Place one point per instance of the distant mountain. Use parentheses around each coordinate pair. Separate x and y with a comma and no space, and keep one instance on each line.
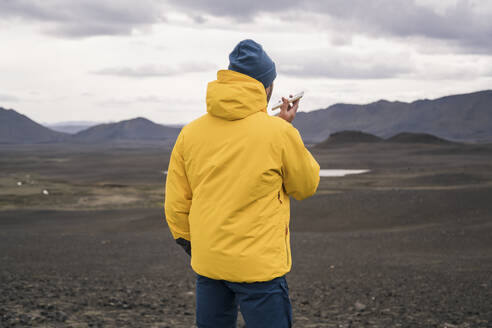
(137,129)
(408,137)
(70,127)
(466,117)
(348,137)
(16,128)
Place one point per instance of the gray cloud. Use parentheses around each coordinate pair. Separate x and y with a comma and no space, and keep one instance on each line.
(336,64)
(342,65)
(463,23)
(466,24)
(199,19)
(243,10)
(149,70)
(148,99)
(334,71)
(83,18)
(125,102)
(8,98)
(115,102)
(449,71)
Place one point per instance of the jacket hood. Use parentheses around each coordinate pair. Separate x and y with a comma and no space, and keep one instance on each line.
(234,96)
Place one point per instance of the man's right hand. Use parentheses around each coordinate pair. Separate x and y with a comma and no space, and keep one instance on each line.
(288,111)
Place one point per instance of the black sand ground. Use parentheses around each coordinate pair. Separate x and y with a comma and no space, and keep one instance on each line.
(406,245)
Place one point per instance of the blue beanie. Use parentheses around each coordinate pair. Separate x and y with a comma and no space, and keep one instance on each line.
(249,58)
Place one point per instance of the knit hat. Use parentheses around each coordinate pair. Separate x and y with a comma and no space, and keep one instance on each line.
(249,58)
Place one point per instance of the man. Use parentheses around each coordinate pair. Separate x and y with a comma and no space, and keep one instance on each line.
(227,201)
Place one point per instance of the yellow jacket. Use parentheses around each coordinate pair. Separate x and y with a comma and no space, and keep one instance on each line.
(228,184)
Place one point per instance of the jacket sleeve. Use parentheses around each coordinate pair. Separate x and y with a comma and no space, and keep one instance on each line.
(300,169)
(178,194)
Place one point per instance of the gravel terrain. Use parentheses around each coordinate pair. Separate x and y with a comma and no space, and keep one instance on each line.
(407,245)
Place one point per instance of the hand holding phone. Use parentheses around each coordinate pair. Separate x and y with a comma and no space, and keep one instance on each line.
(287,111)
(290,99)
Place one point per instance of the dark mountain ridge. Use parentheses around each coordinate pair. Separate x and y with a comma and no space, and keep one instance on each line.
(134,129)
(348,137)
(409,137)
(465,117)
(16,128)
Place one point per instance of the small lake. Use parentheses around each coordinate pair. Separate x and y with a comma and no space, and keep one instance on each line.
(340,173)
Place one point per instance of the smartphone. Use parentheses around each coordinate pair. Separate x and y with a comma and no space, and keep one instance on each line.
(289,99)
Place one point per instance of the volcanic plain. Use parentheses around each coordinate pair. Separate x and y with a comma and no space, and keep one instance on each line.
(84,243)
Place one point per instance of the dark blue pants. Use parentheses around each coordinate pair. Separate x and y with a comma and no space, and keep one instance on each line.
(262,304)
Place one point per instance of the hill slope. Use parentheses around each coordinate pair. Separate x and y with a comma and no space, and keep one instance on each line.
(16,128)
(465,117)
(134,129)
(408,137)
(345,137)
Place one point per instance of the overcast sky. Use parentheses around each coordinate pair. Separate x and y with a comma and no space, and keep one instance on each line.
(108,60)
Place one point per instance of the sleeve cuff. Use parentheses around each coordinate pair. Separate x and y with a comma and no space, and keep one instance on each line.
(182,235)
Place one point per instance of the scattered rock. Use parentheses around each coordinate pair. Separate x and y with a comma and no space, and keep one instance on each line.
(449,325)
(359,306)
